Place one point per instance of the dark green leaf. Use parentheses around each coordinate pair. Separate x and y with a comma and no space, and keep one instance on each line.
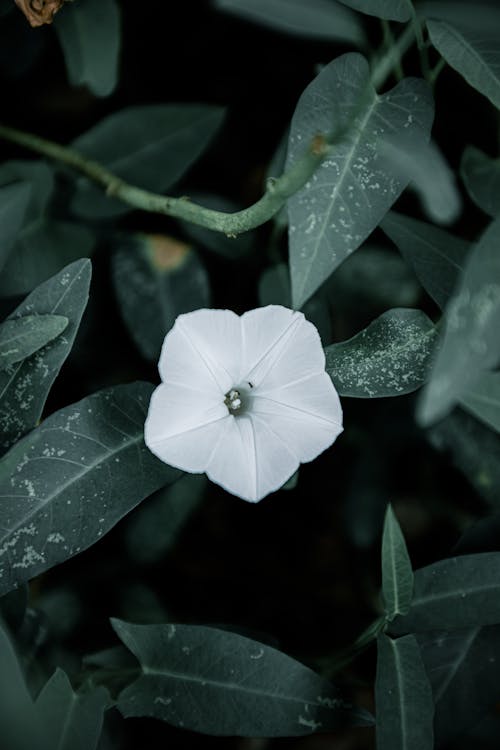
(469,343)
(24,386)
(481,176)
(397,574)
(391,10)
(191,674)
(403,696)
(459,592)
(71,480)
(89,32)
(73,721)
(13,608)
(151,146)
(357,183)
(475,55)
(478,15)
(22,337)
(389,358)
(157,278)
(14,200)
(436,256)
(483,399)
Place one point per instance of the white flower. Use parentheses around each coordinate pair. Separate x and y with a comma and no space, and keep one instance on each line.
(244,399)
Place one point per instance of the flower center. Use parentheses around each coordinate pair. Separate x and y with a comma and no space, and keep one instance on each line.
(233,400)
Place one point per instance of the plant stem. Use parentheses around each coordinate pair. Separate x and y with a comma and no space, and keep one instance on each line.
(385,65)
(390,45)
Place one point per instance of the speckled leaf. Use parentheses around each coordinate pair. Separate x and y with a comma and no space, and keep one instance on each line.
(71,480)
(397,574)
(357,183)
(318,19)
(73,721)
(469,343)
(475,55)
(483,399)
(24,386)
(90,34)
(22,337)
(437,257)
(191,674)
(14,200)
(150,146)
(157,278)
(390,357)
(403,696)
(459,592)
(481,176)
(391,10)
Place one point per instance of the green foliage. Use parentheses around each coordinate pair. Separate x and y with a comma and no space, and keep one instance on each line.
(390,357)
(481,176)
(391,10)
(397,574)
(191,673)
(358,182)
(403,696)
(13,203)
(70,480)
(22,337)
(89,33)
(483,399)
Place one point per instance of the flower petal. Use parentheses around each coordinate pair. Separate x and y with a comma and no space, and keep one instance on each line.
(279,346)
(203,350)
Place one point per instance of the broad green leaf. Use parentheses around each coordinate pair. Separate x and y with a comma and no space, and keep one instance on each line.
(42,250)
(156,278)
(68,482)
(459,592)
(25,385)
(150,146)
(469,343)
(483,399)
(21,727)
(475,55)
(318,19)
(403,696)
(357,183)
(481,176)
(14,200)
(478,15)
(462,666)
(191,674)
(391,10)
(397,574)
(22,337)
(390,357)
(437,257)
(73,721)
(90,34)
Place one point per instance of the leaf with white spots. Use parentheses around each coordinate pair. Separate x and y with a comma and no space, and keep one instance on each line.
(359,180)
(469,343)
(481,176)
(24,386)
(21,337)
(390,357)
(63,486)
(191,674)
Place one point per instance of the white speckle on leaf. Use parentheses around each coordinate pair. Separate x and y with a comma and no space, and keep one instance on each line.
(310,723)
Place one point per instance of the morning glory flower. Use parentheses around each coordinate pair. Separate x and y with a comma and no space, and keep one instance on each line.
(244,399)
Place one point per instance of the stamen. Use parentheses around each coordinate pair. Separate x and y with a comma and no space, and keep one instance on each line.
(233,400)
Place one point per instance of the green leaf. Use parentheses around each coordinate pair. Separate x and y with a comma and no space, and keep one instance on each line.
(318,19)
(157,278)
(481,176)
(390,10)
(469,343)
(476,15)
(89,33)
(22,337)
(459,592)
(14,200)
(25,385)
(437,257)
(73,720)
(191,674)
(357,183)
(475,55)
(390,357)
(462,666)
(71,480)
(483,399)
(403,696)
(397,574)
(42,250)
(150,146)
